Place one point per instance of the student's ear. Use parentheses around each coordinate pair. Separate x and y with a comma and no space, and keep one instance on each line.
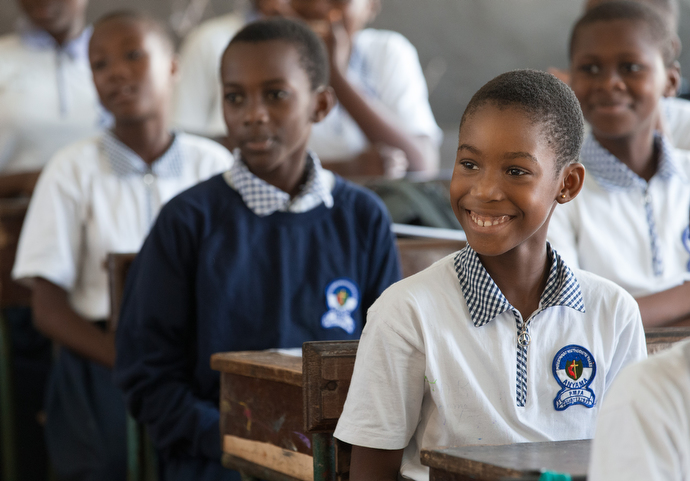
(374,9)
(672,79)
(572,180)
(325,100)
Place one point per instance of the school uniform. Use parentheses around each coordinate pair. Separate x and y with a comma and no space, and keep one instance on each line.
(384,66)
(625,229)
(643,430)
(94,197)
(47,97)
(238,265)
(450,369)
(198,99)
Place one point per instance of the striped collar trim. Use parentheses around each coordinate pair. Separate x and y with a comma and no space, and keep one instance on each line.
(486,301)
(612,174)
(124,161)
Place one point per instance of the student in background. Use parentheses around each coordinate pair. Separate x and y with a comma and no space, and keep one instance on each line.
(500,342)
(630,223)
(275,252)
(673,116)
(382,124)
(198,99)
(97,196)
(47,98)
(643,431)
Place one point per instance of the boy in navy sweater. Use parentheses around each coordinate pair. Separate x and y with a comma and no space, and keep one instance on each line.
(274,252)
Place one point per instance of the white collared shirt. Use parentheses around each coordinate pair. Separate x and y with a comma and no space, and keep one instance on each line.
(643,432)
(444,343)
(97,196)
(385,67)
(633,232)
(264,199)
(47,98)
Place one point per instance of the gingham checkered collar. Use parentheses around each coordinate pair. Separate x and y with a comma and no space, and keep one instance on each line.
(124,161)
(612,174)
(486,301)
(264,199)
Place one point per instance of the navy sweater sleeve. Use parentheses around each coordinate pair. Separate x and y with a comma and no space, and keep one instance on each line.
(155,337)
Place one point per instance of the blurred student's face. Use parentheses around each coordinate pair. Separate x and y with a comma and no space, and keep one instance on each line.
(133,69)
(269,106)
(355,14)
(55,16)
(504,185)
(618,74)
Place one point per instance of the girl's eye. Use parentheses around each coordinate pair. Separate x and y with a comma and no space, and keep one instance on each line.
(134,54)
(277,95)
(591,69)
(98,65)
(516,172)
(467,164)
(234,98)
(632,67)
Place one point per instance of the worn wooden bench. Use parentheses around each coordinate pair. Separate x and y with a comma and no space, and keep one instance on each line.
(417,253)
(141,456)
(661,338)
(12,213)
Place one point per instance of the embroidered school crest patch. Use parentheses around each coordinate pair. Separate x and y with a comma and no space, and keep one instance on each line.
(574,369)
(342,298)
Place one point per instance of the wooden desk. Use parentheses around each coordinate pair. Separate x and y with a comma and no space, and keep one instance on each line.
(491,463)
(261,420)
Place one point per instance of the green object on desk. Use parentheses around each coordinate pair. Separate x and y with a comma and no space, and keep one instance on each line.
(554,476)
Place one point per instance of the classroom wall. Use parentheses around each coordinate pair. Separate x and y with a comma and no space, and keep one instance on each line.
(461,43)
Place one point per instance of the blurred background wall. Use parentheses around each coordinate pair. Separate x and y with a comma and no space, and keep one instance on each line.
(461,43)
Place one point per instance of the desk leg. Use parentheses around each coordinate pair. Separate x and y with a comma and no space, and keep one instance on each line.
(324,456)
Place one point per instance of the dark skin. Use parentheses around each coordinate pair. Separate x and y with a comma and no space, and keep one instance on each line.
(337,22)
(619,75)
(133,68)
(504,189)
(269,107)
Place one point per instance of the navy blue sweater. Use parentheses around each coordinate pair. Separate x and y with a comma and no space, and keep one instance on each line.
(212,276)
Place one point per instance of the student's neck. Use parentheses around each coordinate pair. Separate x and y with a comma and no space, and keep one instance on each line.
(521,276)
(149,139)
(637,152)
(290,177)
(74,30)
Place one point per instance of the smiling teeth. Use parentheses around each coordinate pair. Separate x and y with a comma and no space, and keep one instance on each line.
(486,221)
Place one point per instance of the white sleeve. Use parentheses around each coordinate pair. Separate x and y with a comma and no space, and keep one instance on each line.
(401,86)
(51,237)
(639,434)
(197,99)
(384,402)
(677,121)
(562,233)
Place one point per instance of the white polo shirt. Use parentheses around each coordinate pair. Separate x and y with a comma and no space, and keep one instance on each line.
(47,98)
(385,67)
(198,100)
(97,196)
(622,228)
(643,432)
(439,362)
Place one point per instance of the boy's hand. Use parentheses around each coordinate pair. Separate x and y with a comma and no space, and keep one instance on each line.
(337,40)
(381,160)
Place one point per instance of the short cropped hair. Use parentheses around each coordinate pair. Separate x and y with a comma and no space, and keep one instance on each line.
(545,100)
(152,24)
(311,49)
(669,9)
(657,28)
